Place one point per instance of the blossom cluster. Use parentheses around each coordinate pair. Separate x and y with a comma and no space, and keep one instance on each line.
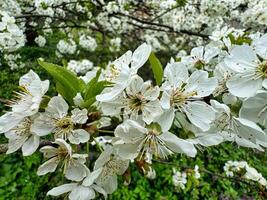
(166,25)
(80,67)
(215,94)
(179,179)
(244,170)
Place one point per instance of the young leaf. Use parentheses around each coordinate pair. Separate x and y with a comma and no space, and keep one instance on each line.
(67,83)
(156,68)
(92,89)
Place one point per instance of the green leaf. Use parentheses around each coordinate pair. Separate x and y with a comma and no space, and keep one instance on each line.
(156,68)
(92,89)
(67,83)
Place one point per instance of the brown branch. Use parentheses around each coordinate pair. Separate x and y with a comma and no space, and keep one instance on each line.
(163,25)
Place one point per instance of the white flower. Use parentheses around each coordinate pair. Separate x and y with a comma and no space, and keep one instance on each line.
(56,120)
(80,67)
(66,46)
(260,46)
(120,73)
(110,166)
(183,93)
(196,172)
(179,179)
(40,40)
(80,191)
(88,43)
(115,44)
(250,173)
(22,136)
(139,98)
(135,140)
(227,127)
(73,164)
(221,33)
(32,90)
(255,108)
(26,103)
(201,56)
(251,72)
(223,74)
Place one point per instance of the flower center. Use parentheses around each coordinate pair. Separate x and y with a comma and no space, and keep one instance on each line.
(262,69)
(137,102)
(62,153)
(65,124)
(222,122)
(199,64)
(178,98)
(112,73)
(24,128)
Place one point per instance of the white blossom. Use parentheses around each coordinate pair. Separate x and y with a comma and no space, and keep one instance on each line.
(120,73)
(183,93)
(139,98)
(56,120)
(73,164)
(134,140)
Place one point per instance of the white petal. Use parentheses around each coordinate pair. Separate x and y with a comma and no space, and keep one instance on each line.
(255,109)
(27,79)
(140,57)
(130,131)
(62,189)
(89,180)
(128,151)
(48,166)
(241,59)
(15,143)
(175,73)
(178,145)
(110,184)
(79,116)
(75,171)
(79,136)
(9,120)
(244,86)
(165,100)
(228,98)
(63,144)
(200,83)
(151,93)
(200,114)
(260,46)
(208,139)
(57,107)
(165,120)
(249,130)
(48,151)
(43,125)
(264,83)
(111,93)
(100,190)
(210,52)
(135,85)
(82,193)
(151,110)
(31,145)
(103,158)
(220,107)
